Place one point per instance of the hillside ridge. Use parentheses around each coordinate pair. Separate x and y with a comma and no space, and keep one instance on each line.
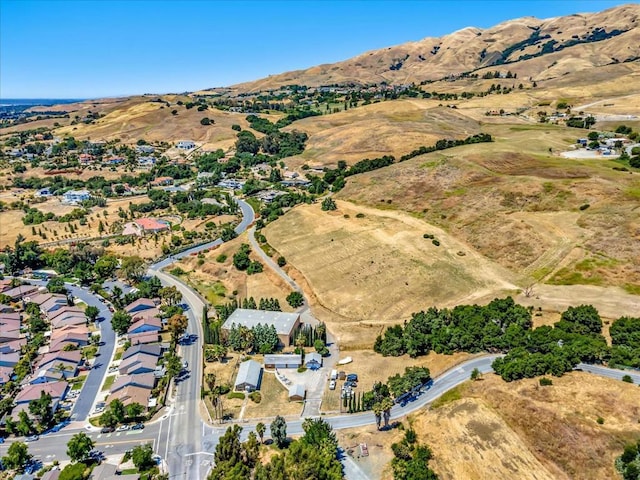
(586,40)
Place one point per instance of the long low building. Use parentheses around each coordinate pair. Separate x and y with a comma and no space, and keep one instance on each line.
(284,323)
(282,361)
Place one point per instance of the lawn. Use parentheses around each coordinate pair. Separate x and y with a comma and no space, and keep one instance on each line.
(108,382)
(78,382)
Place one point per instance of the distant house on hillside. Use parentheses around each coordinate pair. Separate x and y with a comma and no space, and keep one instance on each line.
(143,226)
(73,197)
(185,145)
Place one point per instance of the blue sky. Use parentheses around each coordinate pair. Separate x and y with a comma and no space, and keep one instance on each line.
(85,49)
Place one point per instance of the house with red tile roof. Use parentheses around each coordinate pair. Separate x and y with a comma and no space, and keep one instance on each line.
(144,226)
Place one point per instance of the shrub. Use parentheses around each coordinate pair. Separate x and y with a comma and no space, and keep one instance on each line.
(302,369)
(282,261)
(177,271)
(255,397)
(221,258)
(600,420)
(427,235)
(585,206)
(238,395)
(360,215)
(435,242)
(545,382)
(627,378)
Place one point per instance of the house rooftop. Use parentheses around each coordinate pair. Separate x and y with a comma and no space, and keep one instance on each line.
(282,321)
(248,372)
(152,350)
(32,392)
(141,302)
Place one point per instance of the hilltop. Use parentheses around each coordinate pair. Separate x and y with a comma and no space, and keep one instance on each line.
(529,47)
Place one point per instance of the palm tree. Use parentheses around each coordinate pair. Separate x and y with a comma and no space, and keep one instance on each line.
(377,411)
(386,405)
(260,429)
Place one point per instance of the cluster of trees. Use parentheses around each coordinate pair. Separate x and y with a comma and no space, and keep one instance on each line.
(275,209)
(242,261)
(469,328)
(336,177)
(314,455)
(502,326)
(411,459)
(274,145)
(628,464)
(444,144)
(261,338)
(118,413)
(41,411)
(33,216)
(625,341)
(413,378)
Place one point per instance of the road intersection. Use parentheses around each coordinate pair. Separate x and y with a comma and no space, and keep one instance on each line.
(180,436)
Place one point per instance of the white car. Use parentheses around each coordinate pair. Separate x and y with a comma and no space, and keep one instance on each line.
(332,385)
(122,428)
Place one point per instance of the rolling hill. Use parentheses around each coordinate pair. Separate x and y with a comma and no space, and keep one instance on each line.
(529,47)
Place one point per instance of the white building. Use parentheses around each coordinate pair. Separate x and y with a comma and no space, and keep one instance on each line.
(185,145)
(73,197)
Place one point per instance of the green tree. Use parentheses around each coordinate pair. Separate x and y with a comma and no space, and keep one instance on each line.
(79,446)
(475,374)
(73,471)
(92,313)
(121,321)
(172,364)
(118,409)
(17,456)
(260,430)
(142,457)
(328,204)
(133,268)
(295,299)
(105,266)
(56,285)
(279,431)
(134,410)
(42,409)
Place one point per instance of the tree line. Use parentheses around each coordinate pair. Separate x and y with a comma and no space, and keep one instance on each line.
(503,326)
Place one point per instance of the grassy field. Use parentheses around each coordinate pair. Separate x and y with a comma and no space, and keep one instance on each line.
(494,429)
(378,269)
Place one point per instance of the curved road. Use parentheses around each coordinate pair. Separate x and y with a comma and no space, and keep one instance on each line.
(186,442)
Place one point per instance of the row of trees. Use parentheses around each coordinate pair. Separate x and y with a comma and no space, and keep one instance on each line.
(314,455)
(504,326)
(628,464)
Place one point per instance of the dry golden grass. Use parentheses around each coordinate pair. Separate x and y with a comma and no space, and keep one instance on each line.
(505,430)
(217,281)
(372,367)
(378,269)
(275,401)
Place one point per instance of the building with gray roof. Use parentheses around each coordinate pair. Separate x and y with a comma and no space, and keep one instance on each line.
(284,323)
(249,375)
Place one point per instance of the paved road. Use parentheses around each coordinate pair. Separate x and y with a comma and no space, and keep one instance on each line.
(92,384)
(96,375)
(610,372)
(269,261)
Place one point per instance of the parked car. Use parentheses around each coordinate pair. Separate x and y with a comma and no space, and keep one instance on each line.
(352,377)
(185,364)
(123,428)
(31,438)
(332,385)
(107,430)
(138,426)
